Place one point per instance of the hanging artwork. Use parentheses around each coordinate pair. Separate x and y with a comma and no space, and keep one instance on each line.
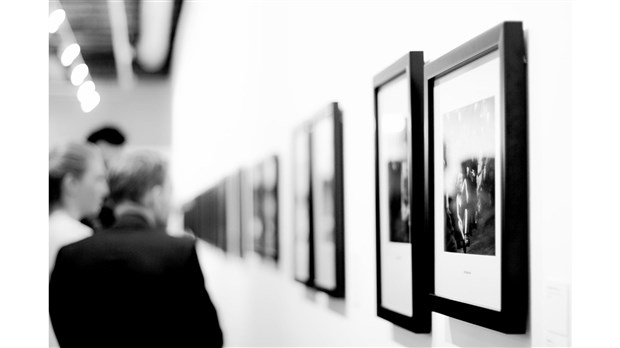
(476,109)
(402,251)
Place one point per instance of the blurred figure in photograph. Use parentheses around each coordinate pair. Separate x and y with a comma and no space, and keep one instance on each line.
(77,186)
(450,242)
(133,285)
(111,142)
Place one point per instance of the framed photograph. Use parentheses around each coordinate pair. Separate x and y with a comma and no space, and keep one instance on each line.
(327,202)
(477,171)
(302,207)
(265,208)
(403,275)
(221,206)
(207,216)
(247,210)
(232,200)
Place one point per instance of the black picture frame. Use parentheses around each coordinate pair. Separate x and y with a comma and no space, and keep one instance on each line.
(233,219)
(247,211)
(506,41)
(220,203)
(303,245)
(411,68)
(265,229)
(330,116)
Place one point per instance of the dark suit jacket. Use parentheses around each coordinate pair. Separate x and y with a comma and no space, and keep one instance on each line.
(131,286)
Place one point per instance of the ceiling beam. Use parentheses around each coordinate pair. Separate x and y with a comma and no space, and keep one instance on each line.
(123,52)
(155,27)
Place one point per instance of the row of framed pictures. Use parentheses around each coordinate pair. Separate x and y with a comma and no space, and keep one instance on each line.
(451,185)
(205,216)
(240,212)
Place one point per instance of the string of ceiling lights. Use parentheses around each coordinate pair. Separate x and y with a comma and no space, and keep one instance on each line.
(70,57)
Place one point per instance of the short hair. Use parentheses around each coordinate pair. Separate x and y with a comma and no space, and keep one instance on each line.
(110,135)
(71,158)
(130,178)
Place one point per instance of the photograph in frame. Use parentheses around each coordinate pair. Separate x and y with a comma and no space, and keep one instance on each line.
(469,154)
(258,206)
(270,207)
(395,241)
(233,214)
(402,244)
(247,210)
(477,127)
(302,206)
(323,201)
(467,267)
(327,249)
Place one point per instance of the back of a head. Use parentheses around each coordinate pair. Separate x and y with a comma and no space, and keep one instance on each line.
(134,174)
(110,135)
(71,158)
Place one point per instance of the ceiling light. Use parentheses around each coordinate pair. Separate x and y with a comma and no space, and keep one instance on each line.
(90,102)
(78,74)
(69,54)
(85,89)
(56,19)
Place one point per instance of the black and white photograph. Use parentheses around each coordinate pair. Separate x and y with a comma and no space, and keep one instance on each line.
(265,208)
(301,202)
(393,196)
(270,207)
(477,111)
(233,217)
(466,132)
(327,205)
(323,203)
(258,209)
(469,178)
(398,182)
(306,173)
(401,236)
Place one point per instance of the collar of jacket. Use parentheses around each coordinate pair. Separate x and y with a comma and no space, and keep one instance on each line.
(134,218)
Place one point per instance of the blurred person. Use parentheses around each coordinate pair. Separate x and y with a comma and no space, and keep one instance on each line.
(77,187)
(133,285)
(111,141)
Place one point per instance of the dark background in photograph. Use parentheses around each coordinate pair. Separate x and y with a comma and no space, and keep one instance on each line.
(398,202)
(469,147)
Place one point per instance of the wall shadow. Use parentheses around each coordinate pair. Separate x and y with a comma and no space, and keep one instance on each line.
(464,334)
(337,305)
(411,339)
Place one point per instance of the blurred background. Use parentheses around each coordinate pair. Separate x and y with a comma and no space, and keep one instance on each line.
(218,86)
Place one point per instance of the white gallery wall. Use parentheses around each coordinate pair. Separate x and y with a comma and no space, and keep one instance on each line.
(246,73)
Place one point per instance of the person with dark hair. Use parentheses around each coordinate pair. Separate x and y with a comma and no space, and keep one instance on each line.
(133,285)
(77,187)
(110,141)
